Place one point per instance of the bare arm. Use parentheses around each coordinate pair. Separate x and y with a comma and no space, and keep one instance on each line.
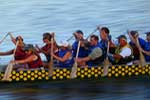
(41,50)
(6,53)
(12,38)
(29,59)
(64,58)
(133,38)
(145,52)
(85,59)
(117,56)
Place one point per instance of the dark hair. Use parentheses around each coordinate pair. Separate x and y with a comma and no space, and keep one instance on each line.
(148,33)
(133,33)
(28,47)
(105,29)
(122,36)
(17,38)
(95,37)
(79,31)
(47,36)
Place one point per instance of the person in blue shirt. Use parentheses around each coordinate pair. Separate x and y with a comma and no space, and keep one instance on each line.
(123,52)
(105,37)
(146,49)
(64,55)
(133,35)
(95,56)
(83,52)
(144,44)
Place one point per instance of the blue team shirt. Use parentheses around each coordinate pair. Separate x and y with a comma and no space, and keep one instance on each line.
(82,51)
(146,46)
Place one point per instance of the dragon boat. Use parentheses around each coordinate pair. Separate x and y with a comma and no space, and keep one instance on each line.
(59,74)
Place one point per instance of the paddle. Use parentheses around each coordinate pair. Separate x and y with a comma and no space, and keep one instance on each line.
(106,62)
(50,69)
(142,58)
(75,65)
(9,67)
(86,38)
(136,41)
(70,38)
(4,38)
(91,33)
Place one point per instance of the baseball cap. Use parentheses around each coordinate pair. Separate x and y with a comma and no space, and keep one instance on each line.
(28,47)
(122,36)
(63,43)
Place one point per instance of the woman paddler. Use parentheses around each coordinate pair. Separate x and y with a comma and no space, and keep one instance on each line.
(19,53)
(33,60)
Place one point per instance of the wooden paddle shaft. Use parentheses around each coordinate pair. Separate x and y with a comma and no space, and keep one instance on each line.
(52,47)
(91,33)
(78,50)
(4,38)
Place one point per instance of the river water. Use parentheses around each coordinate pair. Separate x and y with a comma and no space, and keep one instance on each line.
(31,18)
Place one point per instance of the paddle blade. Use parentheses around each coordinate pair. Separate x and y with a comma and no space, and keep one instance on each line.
(74,71)
(142,59)
(106,67)
(8,72)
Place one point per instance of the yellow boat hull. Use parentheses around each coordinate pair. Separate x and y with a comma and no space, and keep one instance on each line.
(93,72)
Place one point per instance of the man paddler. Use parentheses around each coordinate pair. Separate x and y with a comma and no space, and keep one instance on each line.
(123,53)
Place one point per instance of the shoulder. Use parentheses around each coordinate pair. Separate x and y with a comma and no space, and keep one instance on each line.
(45,47)
(126,49)
(97,50)
(75,44)
(141,41)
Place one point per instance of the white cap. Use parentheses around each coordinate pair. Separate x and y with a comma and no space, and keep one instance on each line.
(63,43)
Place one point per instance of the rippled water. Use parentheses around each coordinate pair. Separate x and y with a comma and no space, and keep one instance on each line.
(31,18)
(111,89)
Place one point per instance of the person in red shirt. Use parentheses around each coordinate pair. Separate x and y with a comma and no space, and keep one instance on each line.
(33,60)
(47,47)
(19,52)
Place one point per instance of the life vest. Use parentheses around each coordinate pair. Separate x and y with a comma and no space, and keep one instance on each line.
(126,59)
(35,64)
(67,63)
(19,53)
